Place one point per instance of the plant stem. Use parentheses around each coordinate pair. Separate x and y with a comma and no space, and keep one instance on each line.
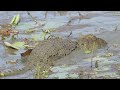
(92,53)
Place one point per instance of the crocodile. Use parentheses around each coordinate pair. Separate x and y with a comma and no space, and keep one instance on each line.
(87,42)
(45,53)
(48,51)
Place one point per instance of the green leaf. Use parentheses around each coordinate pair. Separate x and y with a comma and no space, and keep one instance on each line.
(16,45)
(19,44)
(12,21)
(10,45)
(17,19)
(87,51)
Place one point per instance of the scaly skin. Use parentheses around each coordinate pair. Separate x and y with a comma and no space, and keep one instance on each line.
(48,51)
(89,40)
(45,53)
(14,72)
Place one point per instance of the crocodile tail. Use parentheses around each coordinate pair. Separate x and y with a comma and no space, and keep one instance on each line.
(14,72)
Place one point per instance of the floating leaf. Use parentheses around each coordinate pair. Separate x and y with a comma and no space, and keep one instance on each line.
(26,53)
(10,45)
(7,44)
(16,45)
(15,20)
(87,51)
(12,21)
(19,44)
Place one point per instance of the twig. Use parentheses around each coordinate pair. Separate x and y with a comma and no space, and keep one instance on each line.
(79,16)
(70,34)
(69,22)
(32,17)
(91,61)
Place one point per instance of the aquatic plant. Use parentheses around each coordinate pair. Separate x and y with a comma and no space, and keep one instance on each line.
(41,72)
(93,49)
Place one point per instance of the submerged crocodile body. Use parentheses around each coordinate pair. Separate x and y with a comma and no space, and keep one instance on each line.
(45,53)
(48,51)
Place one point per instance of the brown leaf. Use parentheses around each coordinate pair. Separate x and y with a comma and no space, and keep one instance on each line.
(8,32)
(26,53)
(5,32)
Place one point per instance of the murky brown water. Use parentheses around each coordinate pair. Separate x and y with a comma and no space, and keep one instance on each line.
(99,23)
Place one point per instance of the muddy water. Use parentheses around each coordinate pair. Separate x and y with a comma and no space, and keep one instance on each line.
(105,25)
